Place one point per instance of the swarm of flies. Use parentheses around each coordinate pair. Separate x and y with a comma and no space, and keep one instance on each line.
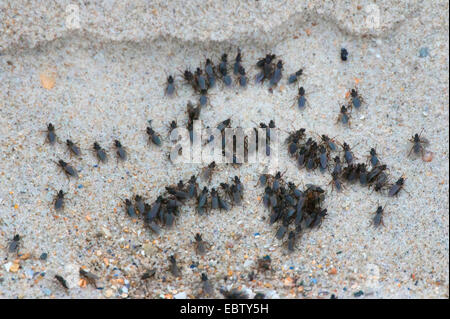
(329,155)
(292,210)
(205,76)
(220,198)
(167,206)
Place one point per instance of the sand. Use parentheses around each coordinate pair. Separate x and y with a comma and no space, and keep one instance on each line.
(103,78)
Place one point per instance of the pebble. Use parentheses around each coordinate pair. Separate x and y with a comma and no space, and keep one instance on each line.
(108,293)
(358,293)
(29,273)
(106,232)
(43,256)
(8,266)
(149,249)
(72,275)
(46,291)
(180,295)
(272,294)
(428,156)
(423,52)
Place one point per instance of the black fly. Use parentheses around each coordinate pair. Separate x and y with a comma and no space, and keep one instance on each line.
(13,246)
(202,199)
(140,205)
(277,73)
(223,69)
(348,155)
(208,171)
(59,200)
(374,161)
(242,77)
(129,208)
(209,70)
(323,158)
(174,269)
(237,63)
(153,136)
(73,148)
(51,135)
(378,218)
(301,100)
(67,169)
(62,281)
(395,189)
(200,244)
(344,54)
(170,89)
(419,144)
(207,287)
(355,98)
(100,152)
(294,77)
(344,116)
(120,151)
(214,199)
(266,66)
(336,182)
(192,187)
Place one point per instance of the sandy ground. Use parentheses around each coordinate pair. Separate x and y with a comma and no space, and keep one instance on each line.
(106,79)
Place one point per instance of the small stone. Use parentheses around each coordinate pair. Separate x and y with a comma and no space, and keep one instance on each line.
(48,79)
(7,266)
(14,268)
(333,271)
(180,295)
(423,52)
(29,273)
(272,294)
(289,282)
(359,293)
(108,293)
(149,249)
(72,275)
(106,232)
(43,256)
(25,256)
(248,263)
(428,156)
(47,291)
